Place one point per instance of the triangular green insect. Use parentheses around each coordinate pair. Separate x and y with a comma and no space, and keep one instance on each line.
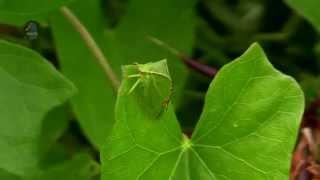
(151,85)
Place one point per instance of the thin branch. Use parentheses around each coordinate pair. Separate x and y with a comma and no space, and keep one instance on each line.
(164,45)
(307,133)
(92,45)
(202,68)
(193,64)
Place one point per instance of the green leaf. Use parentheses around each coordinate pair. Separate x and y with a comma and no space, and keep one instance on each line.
(309,9)
(54,125)
(138,138)
(80,167)
(8,176)
(250,120)
(247,129)
(18,12)
(94,104)
(29,88)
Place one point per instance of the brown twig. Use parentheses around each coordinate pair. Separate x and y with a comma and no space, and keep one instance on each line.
(193,64)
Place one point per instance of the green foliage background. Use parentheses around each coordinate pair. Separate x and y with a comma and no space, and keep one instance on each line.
(65,142)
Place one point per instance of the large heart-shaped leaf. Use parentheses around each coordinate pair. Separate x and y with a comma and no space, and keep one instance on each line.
(18,12)
(309,9)
(247,129)
(29,88)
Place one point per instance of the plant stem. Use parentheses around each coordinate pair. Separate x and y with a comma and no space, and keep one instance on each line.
(92,45)
(164,45)
(202,68)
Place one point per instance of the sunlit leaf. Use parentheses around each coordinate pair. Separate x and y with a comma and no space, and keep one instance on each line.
(247,129)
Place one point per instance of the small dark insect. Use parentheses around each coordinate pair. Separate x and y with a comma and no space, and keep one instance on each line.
(31,30)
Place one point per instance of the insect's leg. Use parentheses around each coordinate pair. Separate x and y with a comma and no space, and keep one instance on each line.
(134,86)
(159,114)
(134,75)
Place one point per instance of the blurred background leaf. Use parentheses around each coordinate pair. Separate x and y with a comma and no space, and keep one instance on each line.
(30,87)
(17,12)
(309,9)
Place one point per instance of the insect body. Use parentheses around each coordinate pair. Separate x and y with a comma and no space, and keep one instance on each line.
(153,88)
(31,30)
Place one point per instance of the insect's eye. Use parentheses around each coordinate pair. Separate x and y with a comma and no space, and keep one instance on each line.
(31,30)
